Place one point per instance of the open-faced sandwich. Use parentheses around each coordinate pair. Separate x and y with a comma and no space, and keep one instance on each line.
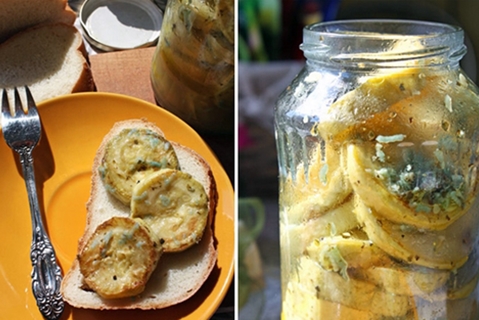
(148,241)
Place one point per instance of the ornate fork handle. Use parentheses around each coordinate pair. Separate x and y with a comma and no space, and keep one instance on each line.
(46,274)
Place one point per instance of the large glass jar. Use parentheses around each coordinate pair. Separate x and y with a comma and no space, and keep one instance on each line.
(378,153)
(193,66)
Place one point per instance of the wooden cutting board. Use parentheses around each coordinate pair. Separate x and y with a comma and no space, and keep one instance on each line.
(126,72)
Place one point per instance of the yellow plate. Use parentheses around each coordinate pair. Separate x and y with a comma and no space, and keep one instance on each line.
(74,126)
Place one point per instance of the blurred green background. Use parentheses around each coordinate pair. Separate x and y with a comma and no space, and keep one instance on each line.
(271,30)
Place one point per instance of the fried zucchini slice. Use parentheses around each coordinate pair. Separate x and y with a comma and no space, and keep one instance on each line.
(461,306)
(175,205)
(338,254)
(304,305)
(335,222)
(318,187)
(432,249)
(463,276)
(312,283)
(415,102)
(130,156)
(439,201)
(375,96)
(364,260)
(403,280)
(119,257)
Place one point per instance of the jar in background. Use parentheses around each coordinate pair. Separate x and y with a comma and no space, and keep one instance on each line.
(378,151)
(193,66)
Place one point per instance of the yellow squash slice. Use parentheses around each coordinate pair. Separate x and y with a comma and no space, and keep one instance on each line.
(375,96)
(313,283)
(335,222)
(424,248)
(130,156)
(364,260)
(119,257)
(318,188)
(368,184)
(175,205)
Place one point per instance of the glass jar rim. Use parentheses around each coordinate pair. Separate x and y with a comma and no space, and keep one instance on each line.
(371,40)
(370,28)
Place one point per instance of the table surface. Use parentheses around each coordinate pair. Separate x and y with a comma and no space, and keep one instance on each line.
(128,72)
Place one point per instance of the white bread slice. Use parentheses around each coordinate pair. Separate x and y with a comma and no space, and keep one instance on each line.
(50,59)
(178,276)
(18,15)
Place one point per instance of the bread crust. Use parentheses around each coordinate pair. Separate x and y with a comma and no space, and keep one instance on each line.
(85,81)
(178,276)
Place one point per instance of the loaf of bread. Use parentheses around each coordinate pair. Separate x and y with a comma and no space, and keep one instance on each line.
(18,15)
(178,275)
(49,58)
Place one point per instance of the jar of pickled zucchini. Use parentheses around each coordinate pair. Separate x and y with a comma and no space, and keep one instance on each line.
(192,71)
(378,151)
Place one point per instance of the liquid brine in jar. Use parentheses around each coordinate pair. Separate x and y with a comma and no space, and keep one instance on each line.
(378,152)
(192,71)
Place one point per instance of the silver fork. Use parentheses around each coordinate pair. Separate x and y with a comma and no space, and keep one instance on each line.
(22,132)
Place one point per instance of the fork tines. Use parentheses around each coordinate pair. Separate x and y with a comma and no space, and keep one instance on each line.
(18,106)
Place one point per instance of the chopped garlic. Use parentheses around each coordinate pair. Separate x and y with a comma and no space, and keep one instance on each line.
(381,156)
(462,80)
(448,102)
(313,77)
(389,139)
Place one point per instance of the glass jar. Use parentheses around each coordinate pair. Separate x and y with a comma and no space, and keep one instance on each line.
(193,66)
(378,151)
